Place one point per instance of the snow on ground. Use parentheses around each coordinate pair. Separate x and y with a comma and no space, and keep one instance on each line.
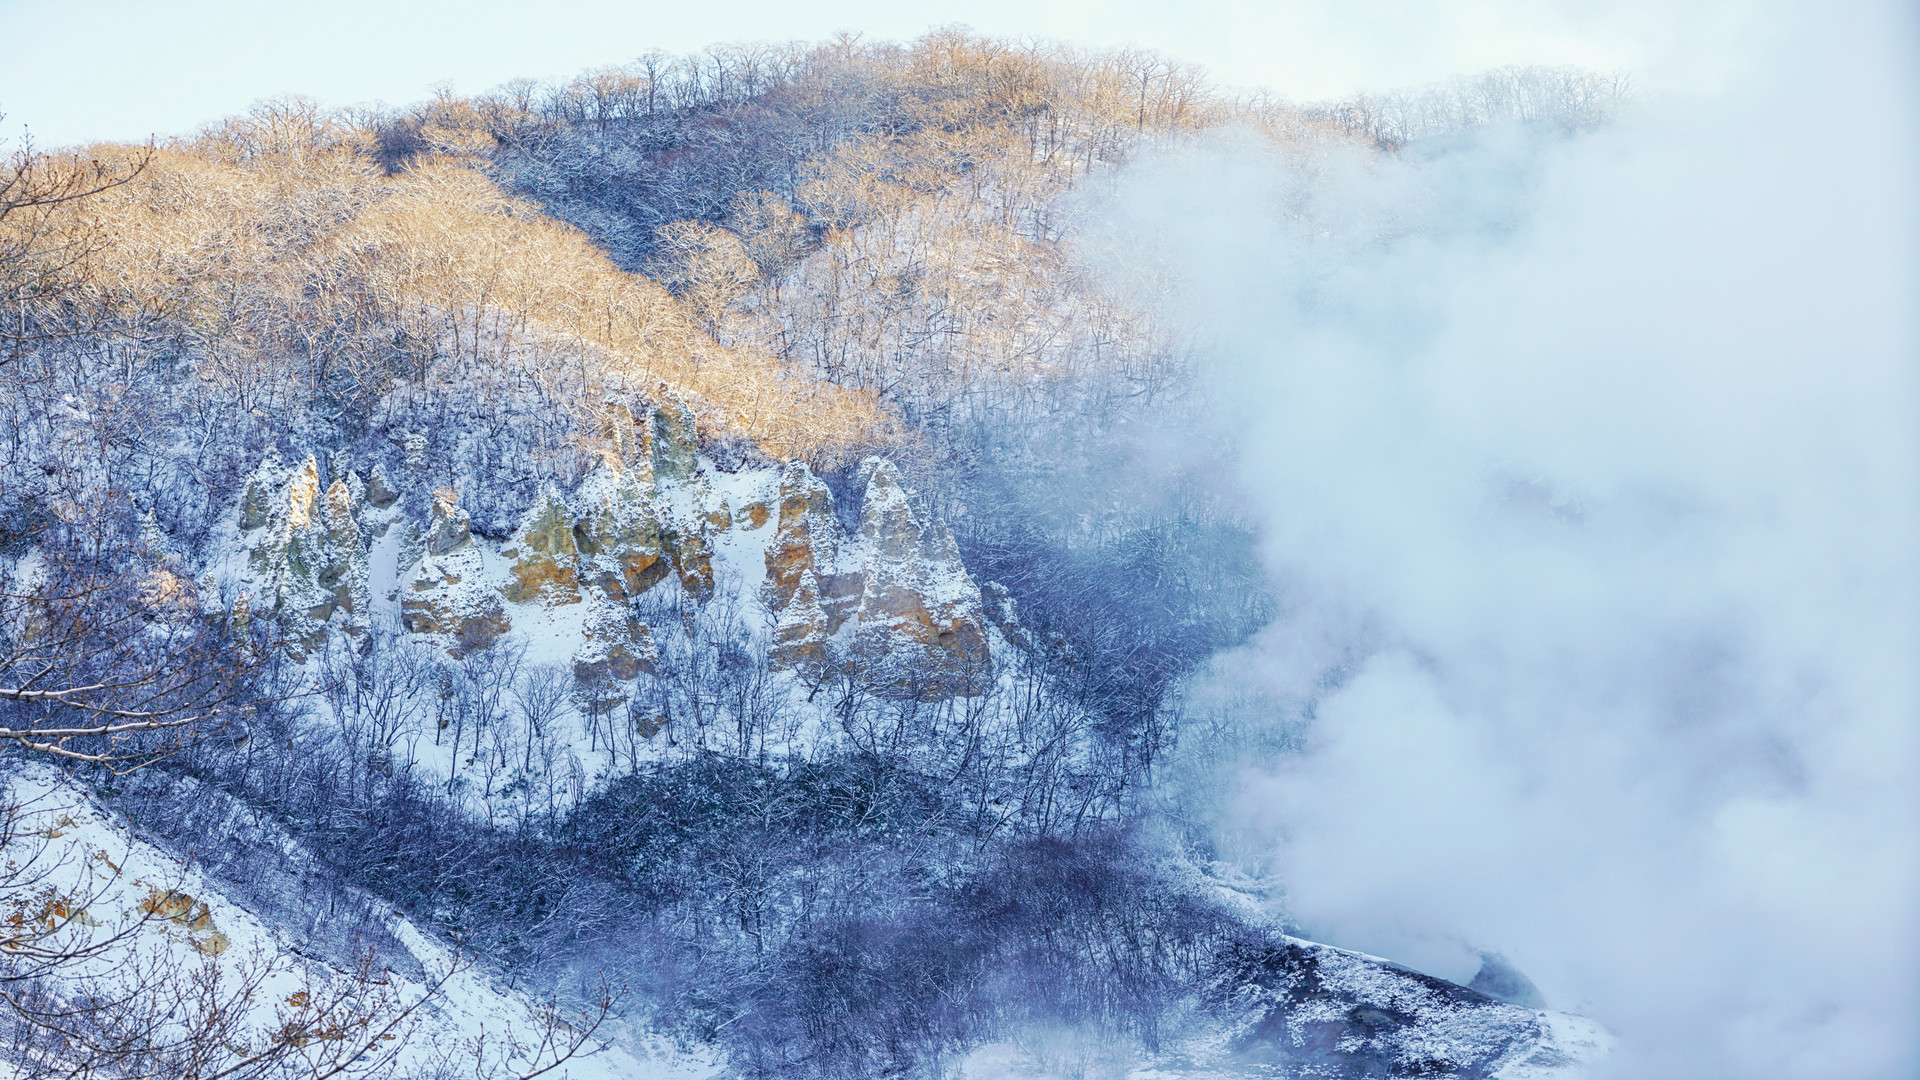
(1324,1014)
(158,920)
(1570,1046)
(1569,1049)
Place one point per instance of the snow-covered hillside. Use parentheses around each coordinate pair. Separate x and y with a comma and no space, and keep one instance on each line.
(174,966)
(138,921)
(630,589)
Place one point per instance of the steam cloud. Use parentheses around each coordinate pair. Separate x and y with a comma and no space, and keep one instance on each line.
(1588,477)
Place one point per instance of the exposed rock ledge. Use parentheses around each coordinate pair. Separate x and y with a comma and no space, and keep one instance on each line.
(890,606)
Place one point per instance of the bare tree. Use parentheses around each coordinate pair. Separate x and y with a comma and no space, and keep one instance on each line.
(105,664)
(45,253)
(90,993)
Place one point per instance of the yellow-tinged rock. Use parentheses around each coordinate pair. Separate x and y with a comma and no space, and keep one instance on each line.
(546,555)
(617,648)
(805,543)
(921,627)
(618,535)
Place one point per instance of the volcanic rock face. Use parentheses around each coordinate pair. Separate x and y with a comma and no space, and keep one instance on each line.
(890,605)
(305,563)
(673,442)
(546,560)
(896,608)
(699,515)
(629,442)
(344,571)
(920,618)
(618,533)
(806,544)
(380,491)
(618,648)
(451,528)
(448,593)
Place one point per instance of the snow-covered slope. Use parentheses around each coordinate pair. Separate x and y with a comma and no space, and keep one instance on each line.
(1305,1011)
(659,607)
(139,923)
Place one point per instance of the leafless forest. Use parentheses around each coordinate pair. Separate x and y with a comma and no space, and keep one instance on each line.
(829,252)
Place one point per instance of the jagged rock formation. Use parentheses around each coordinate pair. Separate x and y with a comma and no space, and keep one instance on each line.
(696,514)
(344,574)
(618,648)
(546,558)
(896,609)
(890,605)
(646,511)
(306,565)
(448,592)
(628,442)
(380,491)
(806,545)
(621,552)
(674,444)
(920,622)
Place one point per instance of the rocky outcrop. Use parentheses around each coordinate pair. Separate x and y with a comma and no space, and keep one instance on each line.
(343,572)
(896,607)
(448,594)
(806,544)
(380,491)
(646,512)
(451,528)
(920,621)
(546,557)
(889,604)
(618,536)
(618,648)
(699,514)
(673,444)
(306,565)
(260,499)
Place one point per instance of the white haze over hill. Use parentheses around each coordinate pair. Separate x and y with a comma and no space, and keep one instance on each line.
(1590,472)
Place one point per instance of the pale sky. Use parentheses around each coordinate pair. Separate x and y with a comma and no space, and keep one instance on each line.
(87,70)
